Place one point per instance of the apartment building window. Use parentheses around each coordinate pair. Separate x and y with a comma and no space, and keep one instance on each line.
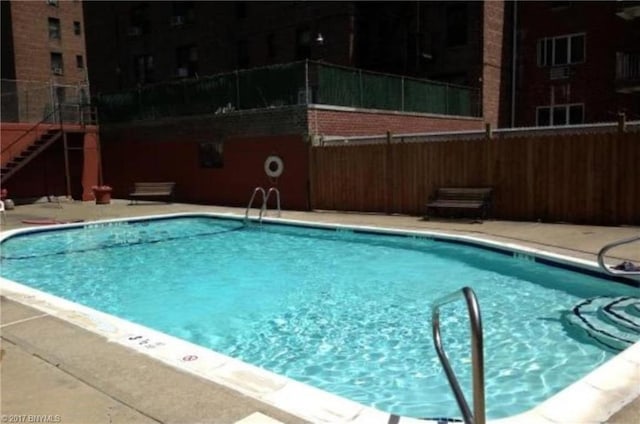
(143,68)
(79,61)
(183,12)
(139,20)
(456,18)
(242,54)
(54,29)
(303,43)
(559,4)
(271,46)
(241,9)
(568,114)
(52,3)
(562,50)
(57,65)
(187,61)
(77,28)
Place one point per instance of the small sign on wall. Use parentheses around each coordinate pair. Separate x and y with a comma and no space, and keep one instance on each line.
(210,154)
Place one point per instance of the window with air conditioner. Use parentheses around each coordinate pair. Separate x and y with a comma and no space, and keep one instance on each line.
(139,20)
(187,60)
(57,65)
(556,115)
(182,12)
(176,20)
(561,50)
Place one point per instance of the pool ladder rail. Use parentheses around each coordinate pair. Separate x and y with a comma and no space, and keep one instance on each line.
(478,416)
(612,271)
(265,200)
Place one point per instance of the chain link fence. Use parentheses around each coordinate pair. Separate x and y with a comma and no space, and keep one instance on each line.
(284,85)
(35,101)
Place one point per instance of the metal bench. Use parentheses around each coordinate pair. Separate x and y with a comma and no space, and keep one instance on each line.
(462,198)
(152,190)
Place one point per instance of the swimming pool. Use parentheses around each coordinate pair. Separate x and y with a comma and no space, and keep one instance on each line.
(370,311)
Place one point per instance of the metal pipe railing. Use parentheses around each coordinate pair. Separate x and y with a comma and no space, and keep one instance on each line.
(477,355)
(255,191)
(266,200)
(609,246)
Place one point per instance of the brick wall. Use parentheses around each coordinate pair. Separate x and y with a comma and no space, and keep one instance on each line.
(333,121)
(148,159)
(496,65)
(32,46)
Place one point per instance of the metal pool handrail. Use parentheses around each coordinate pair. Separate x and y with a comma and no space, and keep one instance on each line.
(609,246)
(266,200)
(477,355)
(255,191)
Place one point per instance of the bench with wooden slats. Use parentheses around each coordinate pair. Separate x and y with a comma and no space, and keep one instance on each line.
(154,190)
(478,198)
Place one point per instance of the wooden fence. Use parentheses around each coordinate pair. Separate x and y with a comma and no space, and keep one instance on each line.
(583,178)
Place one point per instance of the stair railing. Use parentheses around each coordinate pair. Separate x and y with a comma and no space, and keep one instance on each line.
(253,196)
(7,150)
(606,248)
(263,211)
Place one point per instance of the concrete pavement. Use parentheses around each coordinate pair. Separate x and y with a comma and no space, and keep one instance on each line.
(52,368)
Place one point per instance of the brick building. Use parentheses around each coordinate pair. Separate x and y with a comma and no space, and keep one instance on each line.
(181,78)
(141,43)
(49,146)
(578,62)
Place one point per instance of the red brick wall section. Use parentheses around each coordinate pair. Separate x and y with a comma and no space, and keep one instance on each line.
(493,53)
(339,122)
(132,160)
(32,45)
(91,164)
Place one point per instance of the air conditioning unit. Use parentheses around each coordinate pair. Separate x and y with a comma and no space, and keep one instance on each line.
(182,72)
(177,20)
(134,31)
(52,2)
(559,72)
(57,71)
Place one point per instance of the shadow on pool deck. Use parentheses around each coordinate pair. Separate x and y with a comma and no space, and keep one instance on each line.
(51,367)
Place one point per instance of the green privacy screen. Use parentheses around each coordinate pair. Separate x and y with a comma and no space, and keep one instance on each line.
(283,85)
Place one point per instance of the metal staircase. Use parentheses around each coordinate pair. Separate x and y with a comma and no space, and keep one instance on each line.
(25,156)
(43,133)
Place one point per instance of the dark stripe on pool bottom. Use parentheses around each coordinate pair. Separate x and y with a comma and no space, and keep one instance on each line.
(111,246)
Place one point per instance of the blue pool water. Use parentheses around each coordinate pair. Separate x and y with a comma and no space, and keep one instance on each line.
(346,312)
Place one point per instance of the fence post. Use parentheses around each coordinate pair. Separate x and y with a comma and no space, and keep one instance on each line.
(306,81)
(360,87)
(402,93)
(388,189)
(622,122)
(487,130)
(237,90)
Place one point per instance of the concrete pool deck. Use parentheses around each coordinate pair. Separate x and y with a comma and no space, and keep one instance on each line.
(54,368)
